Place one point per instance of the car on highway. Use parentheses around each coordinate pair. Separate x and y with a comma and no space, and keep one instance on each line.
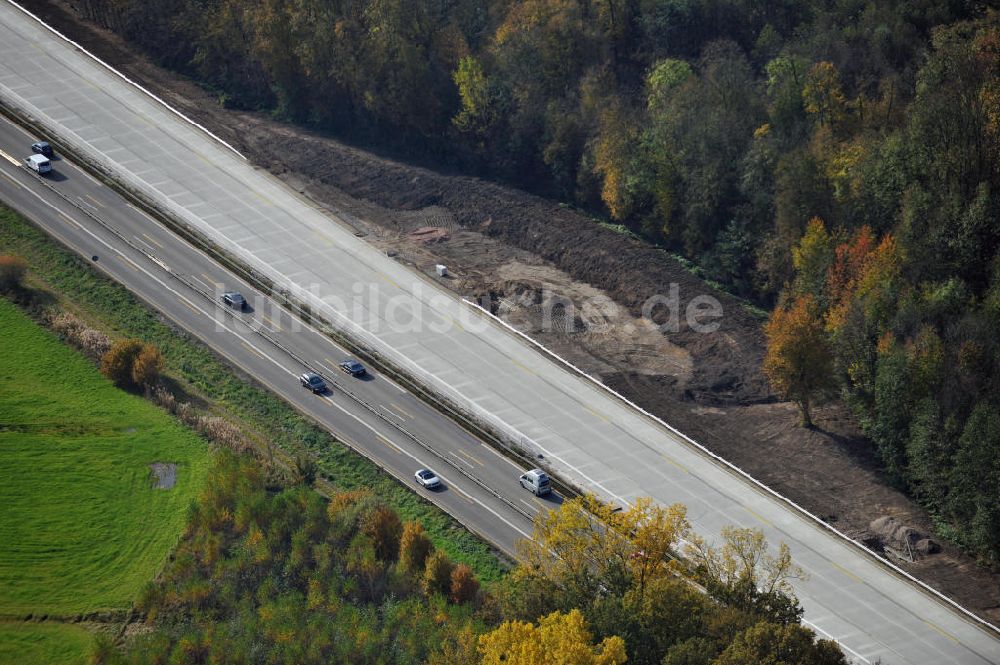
(43,148)
(40,164)
(235,300)
(353,367)
(536,481)
(427,479)
(313,382)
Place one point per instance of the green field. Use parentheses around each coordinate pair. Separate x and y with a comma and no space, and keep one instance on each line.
(44,643)
(82,528)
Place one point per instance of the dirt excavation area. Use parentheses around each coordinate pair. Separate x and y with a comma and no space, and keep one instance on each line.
(619,309)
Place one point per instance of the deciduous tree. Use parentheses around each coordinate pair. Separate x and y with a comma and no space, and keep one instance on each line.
(558,638)
(798,362)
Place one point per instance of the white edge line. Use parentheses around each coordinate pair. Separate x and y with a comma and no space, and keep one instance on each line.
(127,79)
(934,592)
(911,578)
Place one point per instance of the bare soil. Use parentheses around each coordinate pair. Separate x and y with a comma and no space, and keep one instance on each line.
(517,253)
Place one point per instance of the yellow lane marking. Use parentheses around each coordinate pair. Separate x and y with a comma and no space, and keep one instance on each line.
(127,261)
(70,220)
(327,240)
(940,630)
(203,158)
(191,307)
(263,198)
(267,319)
(94,201)
(757,515)
(453,322)
(389,280)
(845,571)
(598,414)
(152,240)
(523,367)
(388,443)
(400,410)
(674,463)
(210,280)
(332,364)
(10,159)
(252,350)
(462,452)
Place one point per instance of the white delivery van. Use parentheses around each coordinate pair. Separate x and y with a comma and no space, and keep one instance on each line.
(40,164)
(536,481)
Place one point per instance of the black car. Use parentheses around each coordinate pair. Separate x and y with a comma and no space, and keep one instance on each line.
(234,300)
(353,367)
(43,148)
(313,382)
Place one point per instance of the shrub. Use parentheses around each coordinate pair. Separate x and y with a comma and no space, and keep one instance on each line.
(117,363)
(414,547)
(437,574)
(93,343)
(147,366)
(12,271)
(464,585)
(383,526)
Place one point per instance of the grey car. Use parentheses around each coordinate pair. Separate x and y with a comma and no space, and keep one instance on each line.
(234,300)
(313,382)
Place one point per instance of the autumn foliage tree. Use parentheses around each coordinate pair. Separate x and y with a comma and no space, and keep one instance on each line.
(557,638)
(437,574)
(117,363)
(414,548)
(798,362)
(464,585)
(147,366)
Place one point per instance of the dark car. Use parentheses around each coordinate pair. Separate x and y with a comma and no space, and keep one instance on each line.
(353,367)
(313,382)
(234,300)
(43,148)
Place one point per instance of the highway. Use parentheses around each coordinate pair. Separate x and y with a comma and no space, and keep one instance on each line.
(583,433)
(184,284)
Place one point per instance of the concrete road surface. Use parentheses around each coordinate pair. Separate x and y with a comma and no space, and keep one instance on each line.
(586,435)
(372,414)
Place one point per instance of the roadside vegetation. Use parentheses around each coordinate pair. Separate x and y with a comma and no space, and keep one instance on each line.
(848,152)
(270,570)
(282,575)
(196,377)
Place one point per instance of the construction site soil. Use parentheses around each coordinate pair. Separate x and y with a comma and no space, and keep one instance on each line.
(580,288)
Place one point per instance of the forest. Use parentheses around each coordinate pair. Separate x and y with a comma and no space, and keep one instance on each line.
(273,574)
(836,160)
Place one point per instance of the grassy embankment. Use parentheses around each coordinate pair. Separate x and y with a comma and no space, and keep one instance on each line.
(110,307)
(83,527)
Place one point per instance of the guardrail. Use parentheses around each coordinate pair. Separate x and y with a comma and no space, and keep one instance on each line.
(273,341)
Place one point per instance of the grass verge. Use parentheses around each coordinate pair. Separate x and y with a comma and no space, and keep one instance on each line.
(111,307)
(84,528)
(25,643)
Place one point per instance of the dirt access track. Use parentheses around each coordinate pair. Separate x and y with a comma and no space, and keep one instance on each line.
(523,256)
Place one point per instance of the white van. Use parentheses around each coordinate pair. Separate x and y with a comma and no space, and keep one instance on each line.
(536,481)
(40,164)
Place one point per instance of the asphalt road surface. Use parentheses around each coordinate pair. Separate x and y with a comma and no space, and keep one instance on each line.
(586,435)
(372,414)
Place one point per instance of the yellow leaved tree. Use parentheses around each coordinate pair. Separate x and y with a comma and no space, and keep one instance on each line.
(558,638)
(587,545)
